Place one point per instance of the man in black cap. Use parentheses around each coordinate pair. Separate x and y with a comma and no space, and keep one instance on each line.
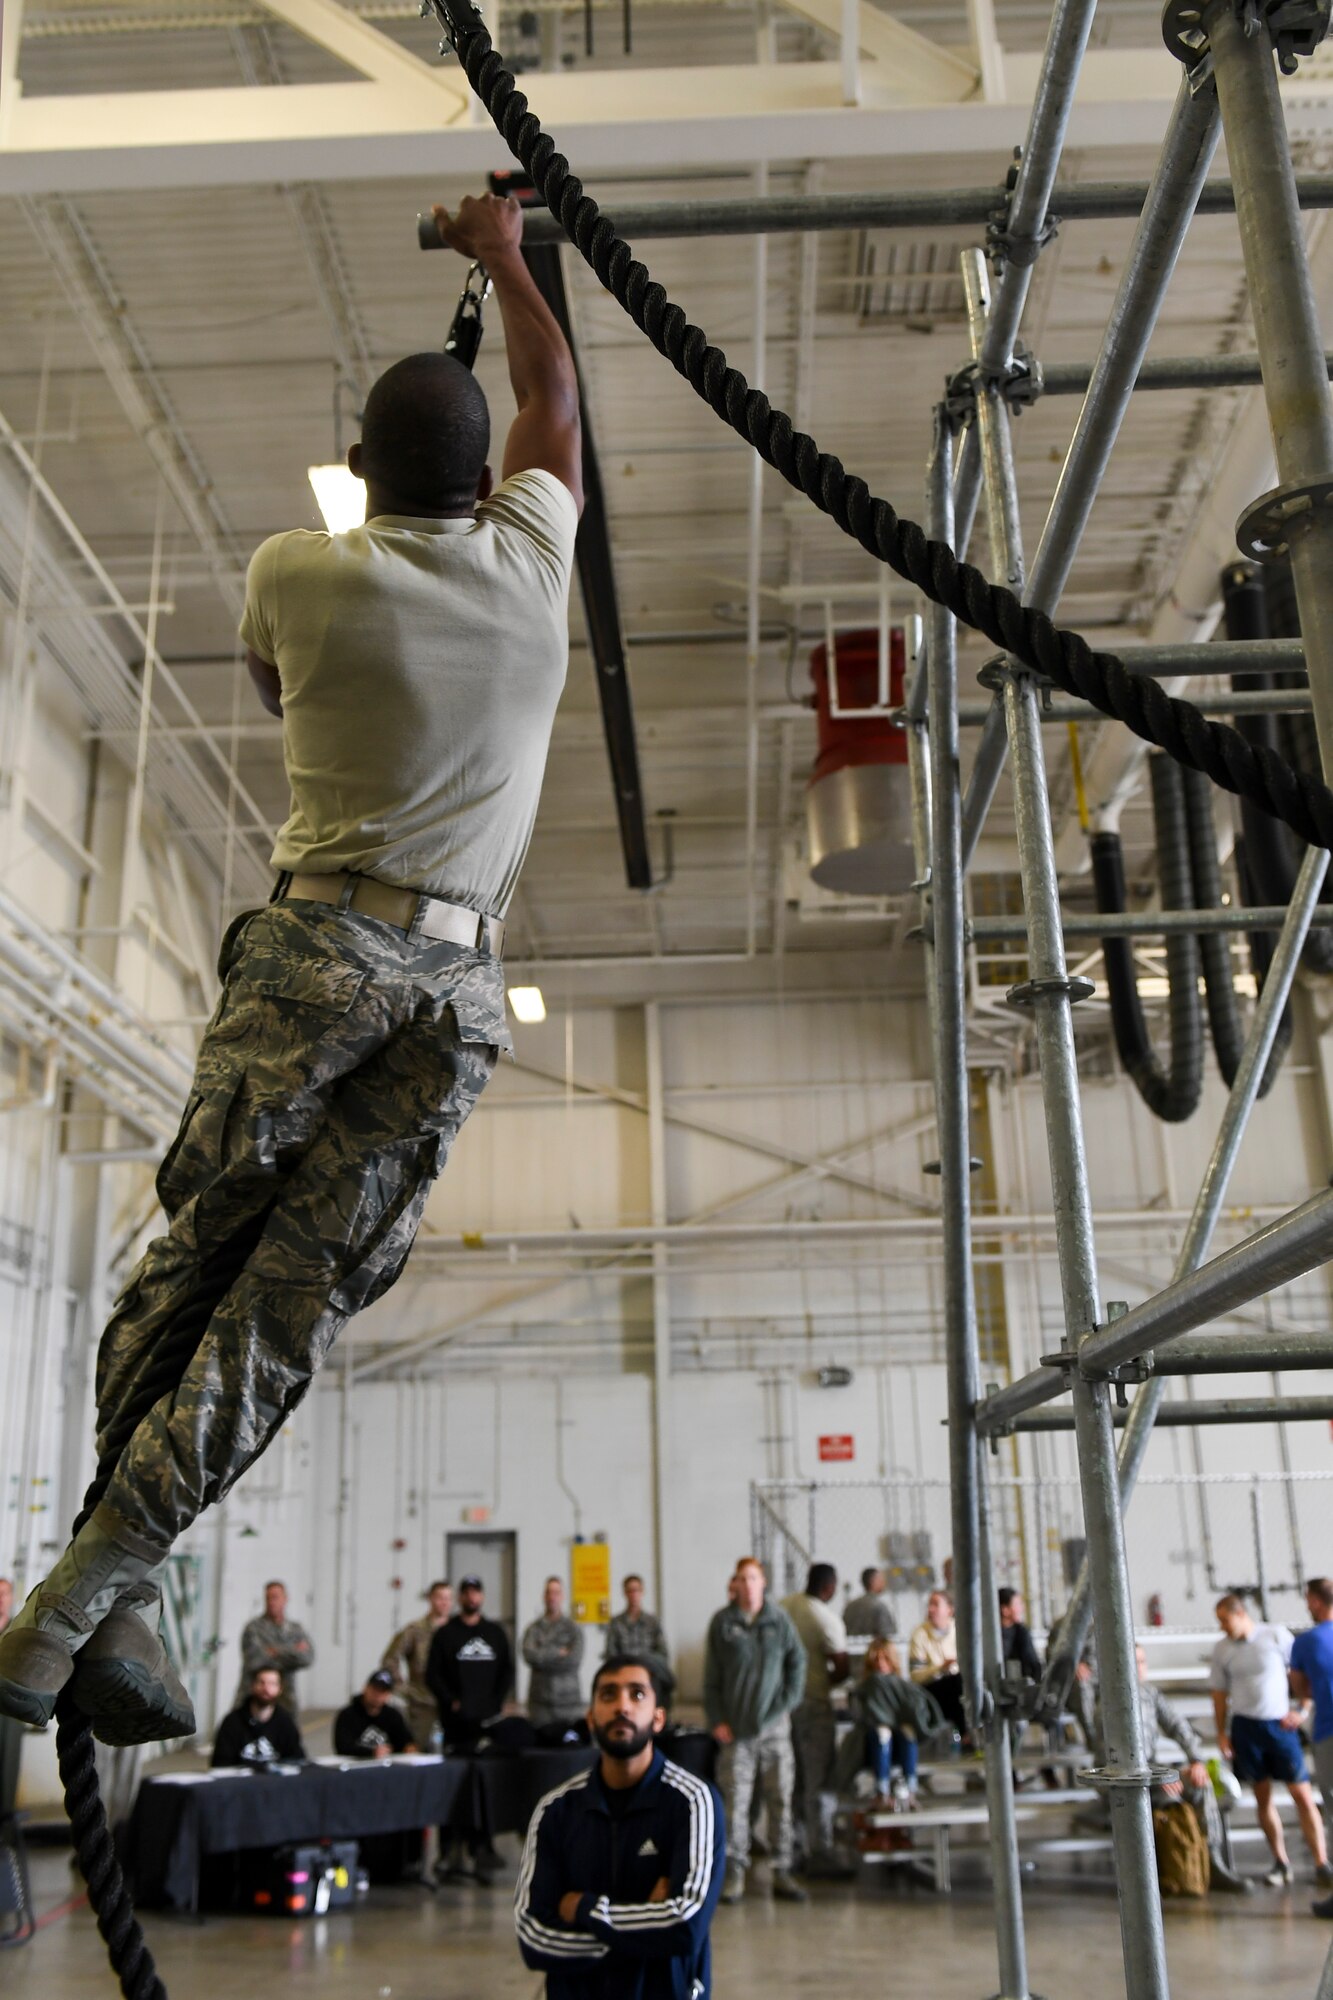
(470,1671)
(370,1726)
(470,1668)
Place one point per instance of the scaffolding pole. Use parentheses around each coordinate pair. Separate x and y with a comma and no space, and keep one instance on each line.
(1222,1410)
(1295,521)
(1148,1407)
(975,1607)
(1049,994)
(1182,167)
(1155,923)
(943,208)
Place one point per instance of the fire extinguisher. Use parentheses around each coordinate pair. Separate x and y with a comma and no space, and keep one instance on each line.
(1155,1609)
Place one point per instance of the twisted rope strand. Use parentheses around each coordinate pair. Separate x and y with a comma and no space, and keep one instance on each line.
(108,1892)
(1303,802)
(127,1948)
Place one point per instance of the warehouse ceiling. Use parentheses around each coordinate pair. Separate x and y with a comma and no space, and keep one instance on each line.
(226,333)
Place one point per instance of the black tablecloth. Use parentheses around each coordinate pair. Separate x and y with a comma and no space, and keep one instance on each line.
(173,1826)
(506,1790)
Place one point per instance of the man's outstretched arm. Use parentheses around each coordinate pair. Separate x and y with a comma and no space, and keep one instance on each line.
(546,435)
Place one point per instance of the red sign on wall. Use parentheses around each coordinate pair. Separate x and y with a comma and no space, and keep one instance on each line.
(838,1445)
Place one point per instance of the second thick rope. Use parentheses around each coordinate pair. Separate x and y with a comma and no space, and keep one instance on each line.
(1300,801)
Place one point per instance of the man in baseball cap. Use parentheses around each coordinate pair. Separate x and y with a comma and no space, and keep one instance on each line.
(370,1726)
(470,1671)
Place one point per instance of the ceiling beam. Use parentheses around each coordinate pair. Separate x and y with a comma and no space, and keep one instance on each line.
(710,115)
(363,48)
(913,66)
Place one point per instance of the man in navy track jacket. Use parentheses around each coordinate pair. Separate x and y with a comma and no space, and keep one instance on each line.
(623,1865)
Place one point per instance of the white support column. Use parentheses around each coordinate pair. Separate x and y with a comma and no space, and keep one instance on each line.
(986,46)
(11,32)
(662,1466)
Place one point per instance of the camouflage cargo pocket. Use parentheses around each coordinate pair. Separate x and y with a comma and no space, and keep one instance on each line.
(290,1029)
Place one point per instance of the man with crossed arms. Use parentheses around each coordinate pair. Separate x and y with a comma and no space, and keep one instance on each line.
(623,1865)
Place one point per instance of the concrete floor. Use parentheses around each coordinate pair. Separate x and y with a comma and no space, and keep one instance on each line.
(406,1944)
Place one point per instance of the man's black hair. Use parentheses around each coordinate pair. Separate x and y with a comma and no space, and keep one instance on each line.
(868,1576)
(1006,1595)
(821,1576)
(426,431)
(617,1661)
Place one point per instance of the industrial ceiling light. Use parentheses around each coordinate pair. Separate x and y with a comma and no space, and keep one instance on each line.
(527,1003)
(341,496)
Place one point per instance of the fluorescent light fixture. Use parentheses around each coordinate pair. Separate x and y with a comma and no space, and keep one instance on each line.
(527,1003)
(341,496)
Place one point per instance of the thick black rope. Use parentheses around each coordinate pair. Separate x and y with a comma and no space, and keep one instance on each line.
(108,1893)
(1253,772)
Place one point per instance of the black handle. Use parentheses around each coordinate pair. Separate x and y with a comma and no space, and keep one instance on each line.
(428,236)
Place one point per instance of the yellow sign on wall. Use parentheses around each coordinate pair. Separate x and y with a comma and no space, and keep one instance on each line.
(590,1583)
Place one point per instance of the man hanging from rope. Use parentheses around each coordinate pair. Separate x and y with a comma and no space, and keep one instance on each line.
(416,664)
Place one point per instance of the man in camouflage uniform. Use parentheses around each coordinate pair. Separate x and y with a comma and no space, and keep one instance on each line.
(416,664)
(277,1641)
(634,1633)
(553,1648)
(405,1658)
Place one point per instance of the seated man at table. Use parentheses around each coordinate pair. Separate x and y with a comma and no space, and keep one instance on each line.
(623,1865)
(370,1726)
(260,1731)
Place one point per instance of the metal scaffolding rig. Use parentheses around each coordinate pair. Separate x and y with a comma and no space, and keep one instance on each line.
(1228,50)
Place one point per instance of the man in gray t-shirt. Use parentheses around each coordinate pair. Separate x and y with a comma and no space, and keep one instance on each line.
(415,664)
(870,1616)
(1256,1729)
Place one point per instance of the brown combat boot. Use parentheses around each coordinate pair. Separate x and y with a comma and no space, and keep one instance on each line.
(124,1680)
(37,1651)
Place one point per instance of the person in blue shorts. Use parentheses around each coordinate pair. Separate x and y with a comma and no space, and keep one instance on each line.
(1312,1681)
(1257,1730)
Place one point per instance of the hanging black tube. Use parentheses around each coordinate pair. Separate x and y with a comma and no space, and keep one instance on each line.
(1260,604)
(1171,1091)
(1224,1013)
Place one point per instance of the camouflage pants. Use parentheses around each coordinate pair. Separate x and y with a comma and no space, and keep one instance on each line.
(764,1761)
(814,1738)
(339,1066)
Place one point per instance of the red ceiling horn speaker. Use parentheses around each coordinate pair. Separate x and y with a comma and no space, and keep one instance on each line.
(858,803)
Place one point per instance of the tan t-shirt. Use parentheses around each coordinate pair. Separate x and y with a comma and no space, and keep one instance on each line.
(822,1634)
(421,662)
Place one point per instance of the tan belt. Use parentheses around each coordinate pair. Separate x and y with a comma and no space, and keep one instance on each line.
(410,910)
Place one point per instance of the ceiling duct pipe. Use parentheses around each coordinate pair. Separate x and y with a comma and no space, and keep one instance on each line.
(858,801)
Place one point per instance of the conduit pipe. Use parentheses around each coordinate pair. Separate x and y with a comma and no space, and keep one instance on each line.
(98,991)
(781,215)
